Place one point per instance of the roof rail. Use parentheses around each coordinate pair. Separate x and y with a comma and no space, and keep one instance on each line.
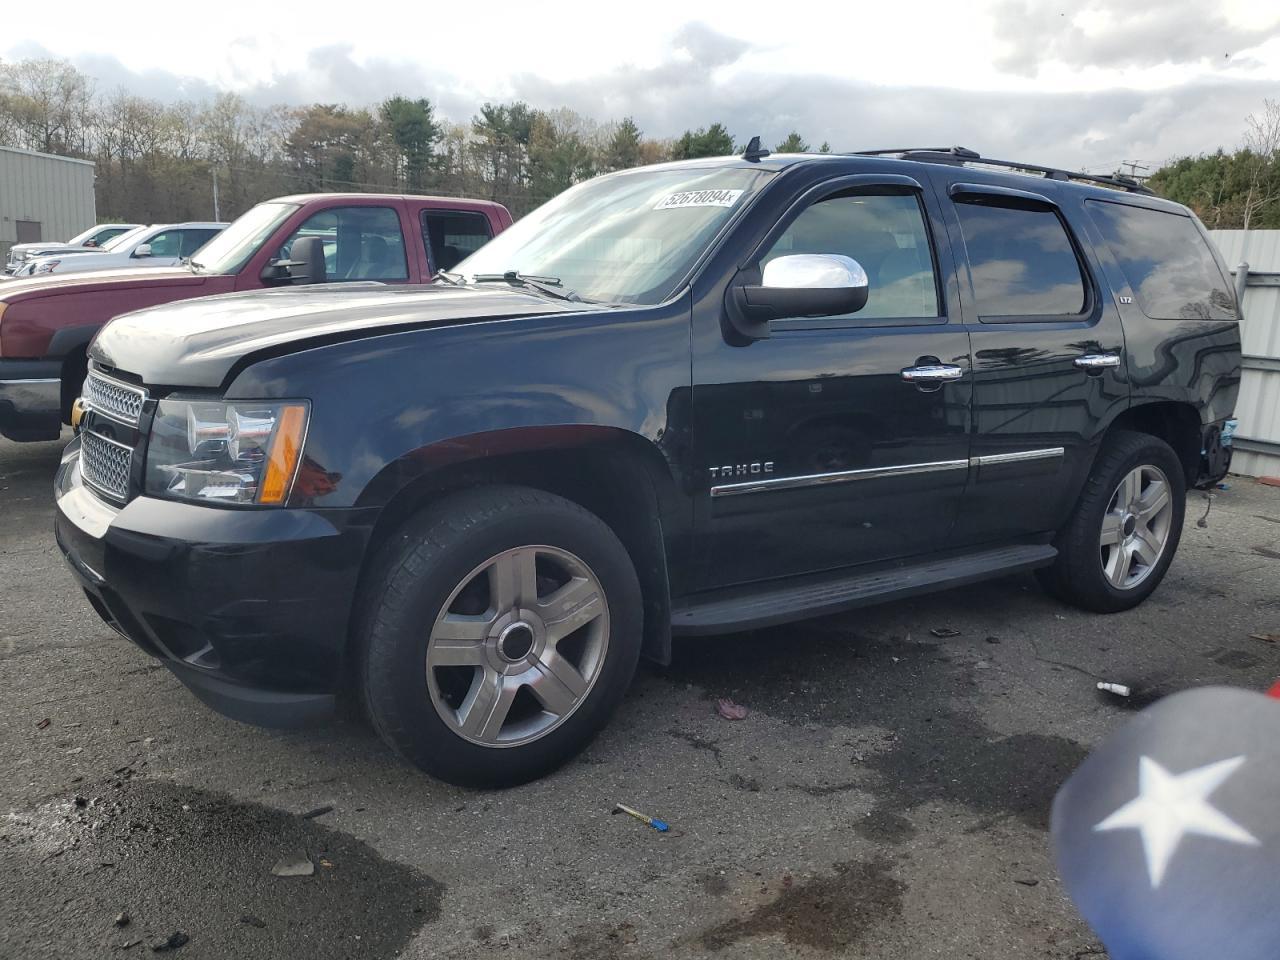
(959,156)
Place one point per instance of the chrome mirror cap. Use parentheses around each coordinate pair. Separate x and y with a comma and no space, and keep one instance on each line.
(814,271)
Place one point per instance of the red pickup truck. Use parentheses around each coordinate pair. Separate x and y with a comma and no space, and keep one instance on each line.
(46,323)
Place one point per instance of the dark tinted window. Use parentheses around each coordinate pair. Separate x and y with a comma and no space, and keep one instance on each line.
(193,240)
(1166,261)
(360,243)
(453,235)
(1022,261)
(886,234)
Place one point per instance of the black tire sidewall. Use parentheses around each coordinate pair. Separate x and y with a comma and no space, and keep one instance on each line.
(1085,582)
(435,556)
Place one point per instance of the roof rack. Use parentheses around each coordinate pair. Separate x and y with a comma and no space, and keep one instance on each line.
(959,156)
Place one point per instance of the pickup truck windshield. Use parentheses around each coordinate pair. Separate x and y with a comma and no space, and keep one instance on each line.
(124,239)
(629,238)
(231,249)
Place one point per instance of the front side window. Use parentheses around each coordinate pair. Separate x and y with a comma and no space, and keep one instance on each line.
(1165,259)
(453,235)
(886,234)
(167,243)
(626,238)
(1021,260)
(360,243)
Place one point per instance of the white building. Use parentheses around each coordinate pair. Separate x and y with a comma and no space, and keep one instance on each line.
(43,197)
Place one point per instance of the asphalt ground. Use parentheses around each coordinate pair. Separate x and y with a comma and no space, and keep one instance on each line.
(887,796)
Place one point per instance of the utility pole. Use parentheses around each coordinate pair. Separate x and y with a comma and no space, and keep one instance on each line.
(1134,167)
(216,213)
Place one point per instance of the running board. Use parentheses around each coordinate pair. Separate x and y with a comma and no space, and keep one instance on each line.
(799,598)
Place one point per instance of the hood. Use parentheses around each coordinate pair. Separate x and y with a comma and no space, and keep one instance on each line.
(196,343)
(24,288)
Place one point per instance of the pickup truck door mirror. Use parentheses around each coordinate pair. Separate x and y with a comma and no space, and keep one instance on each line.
(142,250)
(798,285)
(305,264)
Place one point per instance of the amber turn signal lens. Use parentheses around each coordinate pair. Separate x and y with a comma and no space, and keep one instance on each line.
(282,458)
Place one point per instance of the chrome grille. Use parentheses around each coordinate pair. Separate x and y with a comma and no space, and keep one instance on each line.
(104,465)
(118,400)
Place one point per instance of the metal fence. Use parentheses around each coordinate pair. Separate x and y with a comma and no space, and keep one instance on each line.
(1254,258)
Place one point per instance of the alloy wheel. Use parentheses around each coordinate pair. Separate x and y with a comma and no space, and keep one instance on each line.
(518,646)
(1135,528)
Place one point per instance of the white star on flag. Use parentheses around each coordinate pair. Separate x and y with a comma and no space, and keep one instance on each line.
(1169,806)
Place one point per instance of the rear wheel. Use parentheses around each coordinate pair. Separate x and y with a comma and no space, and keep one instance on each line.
(502,629)
(1125,529)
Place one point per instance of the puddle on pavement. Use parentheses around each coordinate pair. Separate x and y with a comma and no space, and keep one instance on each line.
(938,750)
(177,859)
(826,913)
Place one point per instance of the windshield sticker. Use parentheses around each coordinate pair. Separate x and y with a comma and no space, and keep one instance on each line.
(699,198)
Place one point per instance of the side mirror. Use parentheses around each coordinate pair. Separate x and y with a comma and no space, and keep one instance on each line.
(306,264)
(799,285)
(90,243)
(142,250)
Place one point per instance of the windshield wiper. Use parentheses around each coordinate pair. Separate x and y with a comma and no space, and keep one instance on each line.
(453,279)
(545,285)
(194,265)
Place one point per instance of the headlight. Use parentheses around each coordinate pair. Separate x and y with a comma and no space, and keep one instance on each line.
(243,452)
(46,266)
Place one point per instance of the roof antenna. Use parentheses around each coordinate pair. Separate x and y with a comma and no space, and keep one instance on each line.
(754,152)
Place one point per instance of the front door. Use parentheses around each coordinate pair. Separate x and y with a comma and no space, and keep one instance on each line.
(1048,351)
(814,452)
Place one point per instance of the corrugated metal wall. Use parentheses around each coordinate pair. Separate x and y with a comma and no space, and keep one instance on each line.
(1257,451)
(56,192)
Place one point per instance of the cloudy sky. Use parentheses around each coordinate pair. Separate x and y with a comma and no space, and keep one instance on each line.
(1089,83)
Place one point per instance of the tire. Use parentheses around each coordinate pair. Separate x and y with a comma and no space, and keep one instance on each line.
(448,631)
(1116,567)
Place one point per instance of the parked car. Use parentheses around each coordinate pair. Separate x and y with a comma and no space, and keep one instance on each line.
(92,239)
(159,245)
(695,398)
(47,321)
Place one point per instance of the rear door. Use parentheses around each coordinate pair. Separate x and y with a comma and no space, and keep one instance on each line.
(815,451)
(1048,352)
(450,236)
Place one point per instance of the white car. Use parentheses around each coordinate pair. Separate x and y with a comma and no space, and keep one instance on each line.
(159,245)
(92,239)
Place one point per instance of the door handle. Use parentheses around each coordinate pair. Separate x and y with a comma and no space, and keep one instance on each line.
(932,374)
(1097,361)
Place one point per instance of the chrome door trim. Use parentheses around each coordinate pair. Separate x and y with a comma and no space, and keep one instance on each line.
(875,473)
(839,476)
(1049,453)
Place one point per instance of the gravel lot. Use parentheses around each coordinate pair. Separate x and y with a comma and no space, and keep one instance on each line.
(886,797)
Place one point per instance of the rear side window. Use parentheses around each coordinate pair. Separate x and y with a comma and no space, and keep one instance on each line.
(1022,261)
(1166,261)
(453,235)
(193,240)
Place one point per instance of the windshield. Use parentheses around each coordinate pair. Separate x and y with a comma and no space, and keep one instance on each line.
(231,249)
(80,238)
(629,238)
(124,239)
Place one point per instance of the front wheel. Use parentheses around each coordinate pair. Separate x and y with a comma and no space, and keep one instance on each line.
(502,629)
(1122,536)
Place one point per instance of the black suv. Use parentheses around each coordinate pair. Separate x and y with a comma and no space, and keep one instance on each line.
(684,399)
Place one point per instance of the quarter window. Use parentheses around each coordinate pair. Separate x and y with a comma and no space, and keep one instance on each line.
(1166,261)
(886,234)
(360,243)
(453,235)
(1021,260)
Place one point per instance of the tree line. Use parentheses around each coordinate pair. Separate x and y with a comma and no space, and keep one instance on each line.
(158,161)
(1237,190)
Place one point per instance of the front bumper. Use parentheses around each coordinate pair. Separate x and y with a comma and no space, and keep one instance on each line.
(30,399)
(248,608)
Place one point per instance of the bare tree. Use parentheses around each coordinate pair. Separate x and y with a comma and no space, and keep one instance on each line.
(1263,145)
